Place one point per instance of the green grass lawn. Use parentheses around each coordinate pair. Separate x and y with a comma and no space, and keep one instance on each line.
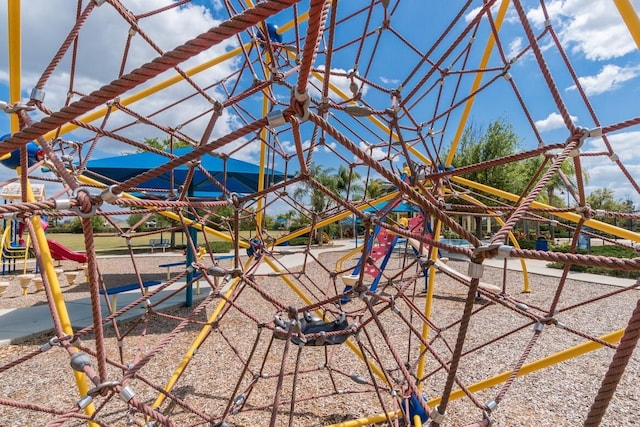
(75,242)
(110,243)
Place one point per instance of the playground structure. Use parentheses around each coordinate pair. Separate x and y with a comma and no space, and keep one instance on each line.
(412,365)
(15,246)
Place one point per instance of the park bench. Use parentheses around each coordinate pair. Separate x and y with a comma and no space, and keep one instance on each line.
(113,292)
(158,243)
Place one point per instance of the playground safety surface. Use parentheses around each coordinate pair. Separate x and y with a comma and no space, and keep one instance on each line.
(575,381)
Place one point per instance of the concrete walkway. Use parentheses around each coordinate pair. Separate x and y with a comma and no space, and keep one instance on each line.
(18,324)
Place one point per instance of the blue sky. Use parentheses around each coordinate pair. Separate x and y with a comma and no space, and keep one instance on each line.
(602,53)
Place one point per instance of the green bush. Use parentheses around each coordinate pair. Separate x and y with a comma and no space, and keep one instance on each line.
(217,247)
(527,244)
(607,251)
(299,241)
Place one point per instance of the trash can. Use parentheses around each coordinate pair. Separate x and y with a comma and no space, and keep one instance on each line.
(542,244)
(584,242)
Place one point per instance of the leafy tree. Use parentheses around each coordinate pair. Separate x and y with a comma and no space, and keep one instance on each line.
(319,201)
(603,198)
(345,181)
(164,144)
(134,218)
(377,188)
(499,140)
(97,223)
(346,186)
(554,189)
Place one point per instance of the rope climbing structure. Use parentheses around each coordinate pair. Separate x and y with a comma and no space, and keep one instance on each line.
(375,334)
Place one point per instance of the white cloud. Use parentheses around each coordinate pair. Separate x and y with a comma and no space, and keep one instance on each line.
(515,46)
(624,145)
(330,147)
(376,153)
(102,42)
(594,29)
(552,121)
(604,173)
(340,85)
(289,147)
(473,12)
(387,81)
(511,15)
(609,78)
(101,49)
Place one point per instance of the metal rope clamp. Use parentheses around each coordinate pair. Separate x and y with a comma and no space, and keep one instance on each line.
(94,206)
(504,251)
(102,387)
(305,100)
(79,361)
(108,195)
(275,118)
(436,416)
(14,108)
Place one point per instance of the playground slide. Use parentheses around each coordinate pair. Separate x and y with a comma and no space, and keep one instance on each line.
(445,268)
(61,252)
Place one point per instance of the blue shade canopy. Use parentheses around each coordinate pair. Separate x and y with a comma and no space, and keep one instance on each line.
(236,175)
(400,207)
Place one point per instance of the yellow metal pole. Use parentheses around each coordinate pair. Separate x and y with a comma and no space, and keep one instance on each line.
(366,421)
(48,269)
(333,218)
(306,299)
(170,215)
(289,25)
(476,82)
(97,114)
(428,304)
(595,224)
(630,17)
(204,332)
(15,58)
(263,155)
(545,362)
(526,289)
(15,64)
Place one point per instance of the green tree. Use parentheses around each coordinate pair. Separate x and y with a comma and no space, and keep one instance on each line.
(603,198)
(318,200)
(499,140)
(475,146)
(164,144)
(346,182)
(555,188)
(97,222)
(377,188)
(347,188)
(134,218)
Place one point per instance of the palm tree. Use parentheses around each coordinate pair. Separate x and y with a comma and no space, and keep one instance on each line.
(347,188)
(319,201)
(345,183)
(376,188)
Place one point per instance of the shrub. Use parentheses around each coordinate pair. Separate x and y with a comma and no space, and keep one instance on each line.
(608,251)
(299,241)
(217,247)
